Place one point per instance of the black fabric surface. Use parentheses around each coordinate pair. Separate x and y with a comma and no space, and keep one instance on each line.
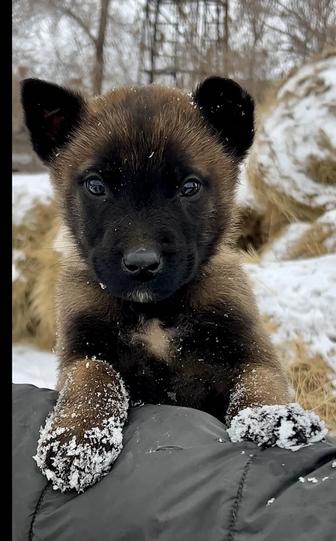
(178,478)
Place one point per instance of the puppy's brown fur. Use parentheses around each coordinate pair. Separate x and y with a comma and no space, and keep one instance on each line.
(206,348)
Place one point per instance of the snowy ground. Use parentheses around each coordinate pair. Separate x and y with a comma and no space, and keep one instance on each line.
(300,296)
(34,366)
(27,189)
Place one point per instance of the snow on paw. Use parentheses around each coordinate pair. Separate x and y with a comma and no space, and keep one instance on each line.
(287,426)
(71,462)
(82,436)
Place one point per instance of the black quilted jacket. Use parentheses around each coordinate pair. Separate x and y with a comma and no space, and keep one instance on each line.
(178,478)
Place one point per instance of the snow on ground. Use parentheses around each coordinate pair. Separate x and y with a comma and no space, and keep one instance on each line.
(34,366)
(26,190)
(301,297)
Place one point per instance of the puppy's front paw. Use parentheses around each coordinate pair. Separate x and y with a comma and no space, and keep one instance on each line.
(287,426)
(82,436)
(73,461)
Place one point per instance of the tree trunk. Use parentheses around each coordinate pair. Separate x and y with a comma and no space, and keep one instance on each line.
(226,38)
(98,73)
(154,44)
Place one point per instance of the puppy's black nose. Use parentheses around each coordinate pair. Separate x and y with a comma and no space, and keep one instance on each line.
(140,262)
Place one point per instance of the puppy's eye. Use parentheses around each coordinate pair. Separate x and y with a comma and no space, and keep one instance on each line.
(95,185)
(191,186)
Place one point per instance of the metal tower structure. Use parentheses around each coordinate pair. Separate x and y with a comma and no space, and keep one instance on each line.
(183,41)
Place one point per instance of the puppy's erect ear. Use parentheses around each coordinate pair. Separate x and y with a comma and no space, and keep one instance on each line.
(51,114)
(229,111)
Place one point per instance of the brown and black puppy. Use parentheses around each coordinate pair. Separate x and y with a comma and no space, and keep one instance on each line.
(145,180)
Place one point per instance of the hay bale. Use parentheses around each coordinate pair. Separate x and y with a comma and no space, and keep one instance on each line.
(300,240)
(249,216)
(259,218)
(280,245)
(292,165)
(319,239)
(312,379)
(35,261)
(313,383)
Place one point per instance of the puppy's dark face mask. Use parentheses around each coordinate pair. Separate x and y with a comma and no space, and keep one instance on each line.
(145,177)
(144,230)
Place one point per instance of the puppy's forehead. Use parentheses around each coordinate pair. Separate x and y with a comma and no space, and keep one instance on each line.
(136,124)
(128,113)
(141,124)
(149,100)
(131,124)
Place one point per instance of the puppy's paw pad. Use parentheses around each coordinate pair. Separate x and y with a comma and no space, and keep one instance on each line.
(287,426)
(70,462)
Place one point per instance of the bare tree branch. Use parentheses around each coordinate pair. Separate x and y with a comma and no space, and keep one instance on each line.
(69,13)
(100,41)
